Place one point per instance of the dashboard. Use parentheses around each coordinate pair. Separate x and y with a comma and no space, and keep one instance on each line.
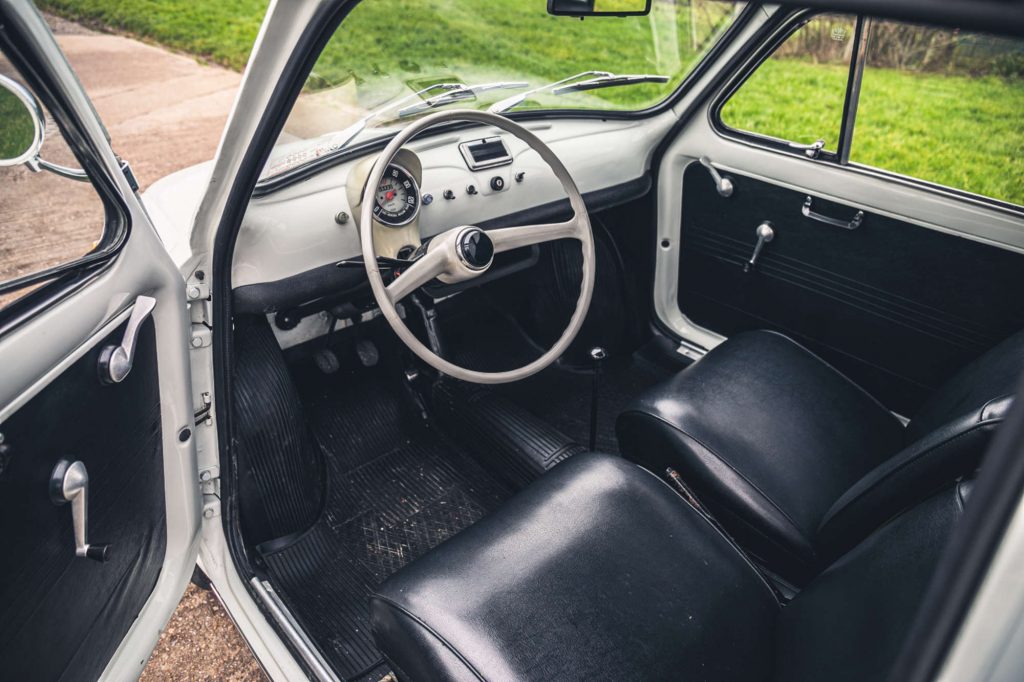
(474,176)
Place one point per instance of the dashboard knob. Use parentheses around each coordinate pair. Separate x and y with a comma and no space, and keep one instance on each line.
(448,194)
(471,189)
(497,183)
(428,199)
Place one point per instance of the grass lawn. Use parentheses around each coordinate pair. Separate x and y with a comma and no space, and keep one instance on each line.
(962,132)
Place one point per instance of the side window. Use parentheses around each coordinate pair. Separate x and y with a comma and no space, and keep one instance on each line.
(797,94)
(45,219)
(944,106)
(938,105)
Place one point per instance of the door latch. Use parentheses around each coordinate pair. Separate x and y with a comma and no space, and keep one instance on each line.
(812,150)
(765,233)
(723,184)
(69,482)
(116,361)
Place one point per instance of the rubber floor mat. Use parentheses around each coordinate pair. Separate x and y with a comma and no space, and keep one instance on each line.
(394,490)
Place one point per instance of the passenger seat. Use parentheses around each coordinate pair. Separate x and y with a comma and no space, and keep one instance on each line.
(796,461)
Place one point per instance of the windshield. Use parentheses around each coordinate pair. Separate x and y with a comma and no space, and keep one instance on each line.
(391,61)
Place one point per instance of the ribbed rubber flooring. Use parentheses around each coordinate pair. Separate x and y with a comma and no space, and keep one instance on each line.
(395,490)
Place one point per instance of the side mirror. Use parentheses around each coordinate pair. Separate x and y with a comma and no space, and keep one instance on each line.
(22,126)
(599,8)
(23,130)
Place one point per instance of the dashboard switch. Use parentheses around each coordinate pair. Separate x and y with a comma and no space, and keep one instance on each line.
(448,194)
(497,183)
(520,176)
(470,189)
(428,199)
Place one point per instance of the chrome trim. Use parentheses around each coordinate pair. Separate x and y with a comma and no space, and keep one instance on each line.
(723,184)
(765,233)
(293,632)
(467,155)
(462,256)
(116,361)
(851,224)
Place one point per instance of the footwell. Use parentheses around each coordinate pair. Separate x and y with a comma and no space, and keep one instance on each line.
(395,489)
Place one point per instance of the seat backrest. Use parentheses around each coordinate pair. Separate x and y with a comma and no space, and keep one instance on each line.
(852,620)
(944,441)
(989,378)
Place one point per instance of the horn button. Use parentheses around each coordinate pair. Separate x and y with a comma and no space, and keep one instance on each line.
(474,248)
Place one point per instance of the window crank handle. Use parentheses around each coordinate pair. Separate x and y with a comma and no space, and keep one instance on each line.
(765,233)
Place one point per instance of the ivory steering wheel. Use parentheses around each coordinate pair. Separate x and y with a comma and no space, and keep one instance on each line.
(465,252)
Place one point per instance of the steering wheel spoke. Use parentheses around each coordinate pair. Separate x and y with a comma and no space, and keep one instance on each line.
(508,238)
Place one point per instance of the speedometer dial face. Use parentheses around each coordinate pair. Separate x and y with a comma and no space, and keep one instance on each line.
(397,199)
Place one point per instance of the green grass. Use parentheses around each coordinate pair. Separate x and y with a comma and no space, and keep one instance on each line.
(16,128)
(962,132)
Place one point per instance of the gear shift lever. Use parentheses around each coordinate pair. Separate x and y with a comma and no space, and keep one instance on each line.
(598,355)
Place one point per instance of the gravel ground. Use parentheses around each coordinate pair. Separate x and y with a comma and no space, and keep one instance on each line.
(164,112)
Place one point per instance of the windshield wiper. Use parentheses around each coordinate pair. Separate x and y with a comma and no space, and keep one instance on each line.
(343,137)
(515,100)
(608,81)
(587,80)
(463,92)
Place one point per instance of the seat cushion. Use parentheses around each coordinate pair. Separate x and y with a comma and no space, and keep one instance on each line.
(598,570)
(768,435)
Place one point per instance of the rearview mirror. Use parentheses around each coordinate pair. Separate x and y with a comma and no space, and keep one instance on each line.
(599,8)
(21,124)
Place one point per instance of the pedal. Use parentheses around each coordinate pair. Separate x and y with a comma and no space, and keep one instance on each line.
(326,361)
(368,354)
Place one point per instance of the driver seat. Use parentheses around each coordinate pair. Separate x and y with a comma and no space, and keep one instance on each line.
(599,570)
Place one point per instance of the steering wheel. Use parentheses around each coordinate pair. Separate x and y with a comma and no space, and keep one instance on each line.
(464,252)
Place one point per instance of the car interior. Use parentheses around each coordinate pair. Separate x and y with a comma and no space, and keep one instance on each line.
(777,375)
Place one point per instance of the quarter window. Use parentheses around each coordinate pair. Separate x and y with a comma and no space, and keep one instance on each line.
(938,105)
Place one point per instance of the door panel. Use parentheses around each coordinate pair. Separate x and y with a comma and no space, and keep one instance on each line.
(64,616)
(896,306)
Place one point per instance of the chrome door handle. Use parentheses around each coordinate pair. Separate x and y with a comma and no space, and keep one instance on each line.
(851,224)
(812,150)
(765,233)
(116,361)
(69,482)
(723,184)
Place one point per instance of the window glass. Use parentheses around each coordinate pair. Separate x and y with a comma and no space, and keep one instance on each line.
(945,106)
(387,51)
(797,94)
(45,219)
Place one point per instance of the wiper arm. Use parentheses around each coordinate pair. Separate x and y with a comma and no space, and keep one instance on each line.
(343,137)
(610,81)
(463,92)
(514,101)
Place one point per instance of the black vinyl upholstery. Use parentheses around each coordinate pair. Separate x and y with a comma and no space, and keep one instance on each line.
(798,462)
(598,570)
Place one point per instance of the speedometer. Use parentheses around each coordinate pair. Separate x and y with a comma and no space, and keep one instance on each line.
(397,199)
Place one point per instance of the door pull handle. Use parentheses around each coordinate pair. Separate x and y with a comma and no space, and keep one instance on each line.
(116,361)
(723,183)
(851,224)
(69,482)
(765,233)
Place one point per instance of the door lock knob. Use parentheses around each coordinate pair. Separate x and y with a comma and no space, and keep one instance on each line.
(765,233)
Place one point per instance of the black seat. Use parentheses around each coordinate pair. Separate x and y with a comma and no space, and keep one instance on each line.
(600,571)
(798,462)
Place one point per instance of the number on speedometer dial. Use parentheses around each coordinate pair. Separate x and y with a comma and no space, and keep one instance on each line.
(397,199)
